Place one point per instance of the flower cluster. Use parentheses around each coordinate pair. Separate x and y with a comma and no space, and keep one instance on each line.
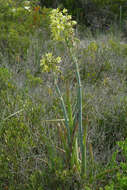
(49,63)
(61,25)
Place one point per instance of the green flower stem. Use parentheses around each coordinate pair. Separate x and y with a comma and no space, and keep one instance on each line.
(83,167)
(64,111)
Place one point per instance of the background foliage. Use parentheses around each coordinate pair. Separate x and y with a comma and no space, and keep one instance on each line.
(94,13)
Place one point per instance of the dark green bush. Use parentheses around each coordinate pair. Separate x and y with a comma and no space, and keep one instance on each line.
(95,13)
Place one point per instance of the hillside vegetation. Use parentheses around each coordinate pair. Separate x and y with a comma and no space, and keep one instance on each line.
(63,86)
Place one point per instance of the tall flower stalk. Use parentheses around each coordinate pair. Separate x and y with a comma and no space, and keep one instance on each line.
(79,110)
(73,140)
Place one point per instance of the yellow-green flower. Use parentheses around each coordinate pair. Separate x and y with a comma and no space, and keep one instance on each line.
(50,63)
(61,25)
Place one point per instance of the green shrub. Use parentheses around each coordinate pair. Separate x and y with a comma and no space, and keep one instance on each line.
(119,180)
(20,120)
(18,22)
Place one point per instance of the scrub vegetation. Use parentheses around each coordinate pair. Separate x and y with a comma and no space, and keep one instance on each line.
(63,85)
